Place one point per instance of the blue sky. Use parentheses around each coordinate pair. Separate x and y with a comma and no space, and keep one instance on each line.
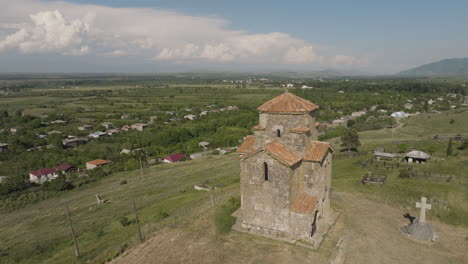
(365,36)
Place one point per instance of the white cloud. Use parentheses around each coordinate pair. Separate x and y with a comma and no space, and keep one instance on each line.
(49,32)
(150,35)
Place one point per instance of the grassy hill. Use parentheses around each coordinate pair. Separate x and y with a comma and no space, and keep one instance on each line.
(456,67)
(178,225)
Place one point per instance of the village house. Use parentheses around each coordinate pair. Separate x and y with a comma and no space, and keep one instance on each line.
(43,175)
(3,147)
(152,119)
(190,117)
(112,131)
(97,134)
(338,122)
(232,108)
(286,174)
(408,106)
(74,142)
(203,113)
(90,165)
(126,128)
(198,155)
(59,122)
(358,113)
(14,130)
(65,168)
(54,132)
(289,85)
(139,126)
(174,158)
(204,145)
(107,125)
(85,127)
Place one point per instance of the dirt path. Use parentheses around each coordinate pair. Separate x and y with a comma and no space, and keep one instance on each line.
(370,232)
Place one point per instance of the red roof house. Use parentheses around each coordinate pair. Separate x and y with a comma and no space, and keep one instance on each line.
(174,158)
(43,175)
(65,167)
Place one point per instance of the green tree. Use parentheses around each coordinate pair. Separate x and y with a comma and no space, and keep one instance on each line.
(350,140)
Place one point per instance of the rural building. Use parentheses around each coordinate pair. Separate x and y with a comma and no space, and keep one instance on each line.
(59,122)
(126,128)
(107,125)
(338,122)
(74,142)
(43,175)
(381,155)
(289,85)
(112,131)
(417,156)
(203,113)
(399,114)
(85,127)
(190,117)
(204,145)
(97,134)
(66,167)
(139,126)
(232,108)
(286,174)
(3,147)
(96,163)
(408,106)
(174,158)
(198,155)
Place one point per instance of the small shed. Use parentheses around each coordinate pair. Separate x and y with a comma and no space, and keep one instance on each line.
(3,147)
(417,156)
(204,145)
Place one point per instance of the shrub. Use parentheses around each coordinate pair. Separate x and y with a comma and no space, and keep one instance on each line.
(404,174)
(124,221)
(123,182)
(223,219)
(161,215)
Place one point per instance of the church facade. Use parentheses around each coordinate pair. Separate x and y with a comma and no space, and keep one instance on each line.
(285,173)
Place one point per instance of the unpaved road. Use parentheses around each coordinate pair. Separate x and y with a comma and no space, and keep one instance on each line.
(370,231)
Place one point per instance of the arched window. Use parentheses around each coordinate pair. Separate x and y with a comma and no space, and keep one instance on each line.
(265,171)
(278,133)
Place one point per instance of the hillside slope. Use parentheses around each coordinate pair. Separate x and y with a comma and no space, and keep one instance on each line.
(456,67)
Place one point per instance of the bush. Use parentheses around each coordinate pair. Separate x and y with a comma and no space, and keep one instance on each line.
(161,215)
(124,221)
(404,174)
(223,219)
(123,182)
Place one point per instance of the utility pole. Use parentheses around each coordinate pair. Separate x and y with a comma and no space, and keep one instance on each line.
(77,250)
(212,202)
(137,222)
(141,169)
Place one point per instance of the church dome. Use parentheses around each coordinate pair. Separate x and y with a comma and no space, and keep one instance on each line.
(287,103)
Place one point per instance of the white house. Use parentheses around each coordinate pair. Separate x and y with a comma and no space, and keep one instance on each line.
(289,85)
(399,114)
(96,163)
(190,117)
(43,175)
(97,134)
(139,126)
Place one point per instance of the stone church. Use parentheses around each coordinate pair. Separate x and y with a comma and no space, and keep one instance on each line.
(286,174)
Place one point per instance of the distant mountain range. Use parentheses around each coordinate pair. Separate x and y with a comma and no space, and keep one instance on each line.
(457,67)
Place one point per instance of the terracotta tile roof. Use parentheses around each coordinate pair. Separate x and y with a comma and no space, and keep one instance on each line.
(248,145)
(304,204)
(287,103)
(258,128)
(282,153)
(317,151)
(300,130)
(98,162)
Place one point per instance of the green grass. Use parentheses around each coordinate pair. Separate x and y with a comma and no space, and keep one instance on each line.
(39,233)
(403,193)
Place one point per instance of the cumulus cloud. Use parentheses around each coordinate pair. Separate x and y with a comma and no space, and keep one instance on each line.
(49,32)
(150,35)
